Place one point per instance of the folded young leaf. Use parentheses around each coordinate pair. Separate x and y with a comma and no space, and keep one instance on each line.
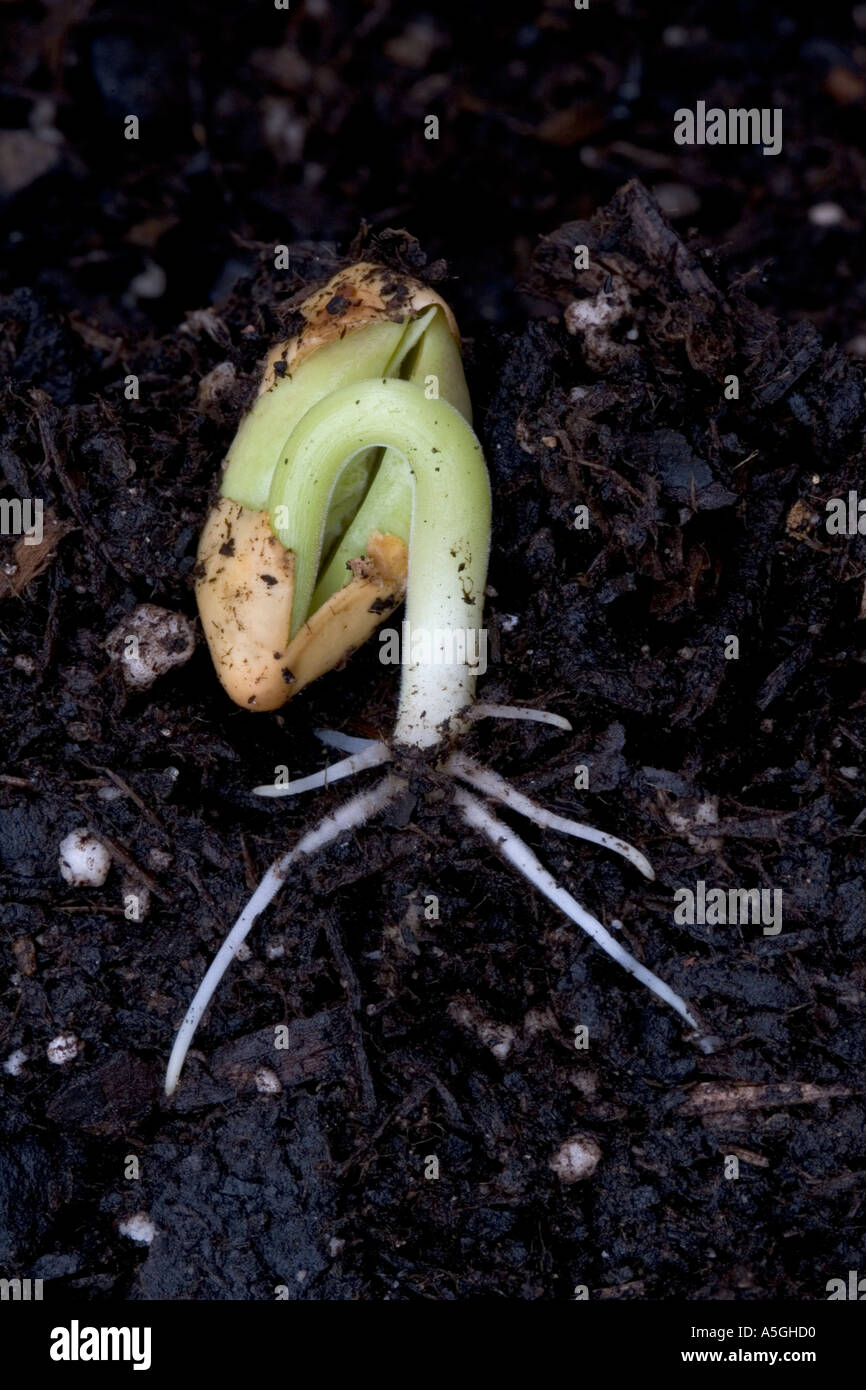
(366,324)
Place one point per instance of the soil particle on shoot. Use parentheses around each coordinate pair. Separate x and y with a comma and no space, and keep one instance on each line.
(84,861)
(150,642)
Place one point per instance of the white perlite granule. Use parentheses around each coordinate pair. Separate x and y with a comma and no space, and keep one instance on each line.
(139,1228)
(576,1159)
(149,642)
(84,860)
(15,1062)
(267,1082)
(63,1048)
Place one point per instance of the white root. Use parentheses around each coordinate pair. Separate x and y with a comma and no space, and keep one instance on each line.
(491,784)
(372,756)
(482,710)
(513,849)
(367,753)
(345,742)
(352,814)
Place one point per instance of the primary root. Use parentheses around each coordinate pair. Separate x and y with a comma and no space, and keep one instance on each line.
(347,817)
(367,753)
(513,849)
(484,780)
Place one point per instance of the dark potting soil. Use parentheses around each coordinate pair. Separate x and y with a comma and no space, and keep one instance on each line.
(452,1039)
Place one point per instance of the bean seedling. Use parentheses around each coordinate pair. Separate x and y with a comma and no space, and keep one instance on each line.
(356,480)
